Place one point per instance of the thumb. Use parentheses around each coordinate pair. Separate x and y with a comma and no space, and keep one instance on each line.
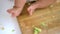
(31,12)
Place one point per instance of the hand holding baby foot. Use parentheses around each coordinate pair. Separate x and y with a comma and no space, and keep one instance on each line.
(20,4)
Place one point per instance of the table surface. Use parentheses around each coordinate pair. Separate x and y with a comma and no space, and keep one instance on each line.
(50,16)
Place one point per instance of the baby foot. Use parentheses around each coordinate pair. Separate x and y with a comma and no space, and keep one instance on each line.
(39,4)
(14,11)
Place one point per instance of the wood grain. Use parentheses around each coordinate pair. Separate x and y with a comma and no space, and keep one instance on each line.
(50,16)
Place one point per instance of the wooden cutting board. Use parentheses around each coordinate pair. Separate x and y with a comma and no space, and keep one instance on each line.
(50,16)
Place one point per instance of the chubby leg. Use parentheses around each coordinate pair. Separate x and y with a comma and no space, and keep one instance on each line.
(18,6)
(40,4)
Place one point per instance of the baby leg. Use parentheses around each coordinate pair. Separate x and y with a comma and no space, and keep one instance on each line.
(18,6)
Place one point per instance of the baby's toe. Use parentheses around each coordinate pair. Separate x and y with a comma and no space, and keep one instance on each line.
(9,11)
(14,15)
